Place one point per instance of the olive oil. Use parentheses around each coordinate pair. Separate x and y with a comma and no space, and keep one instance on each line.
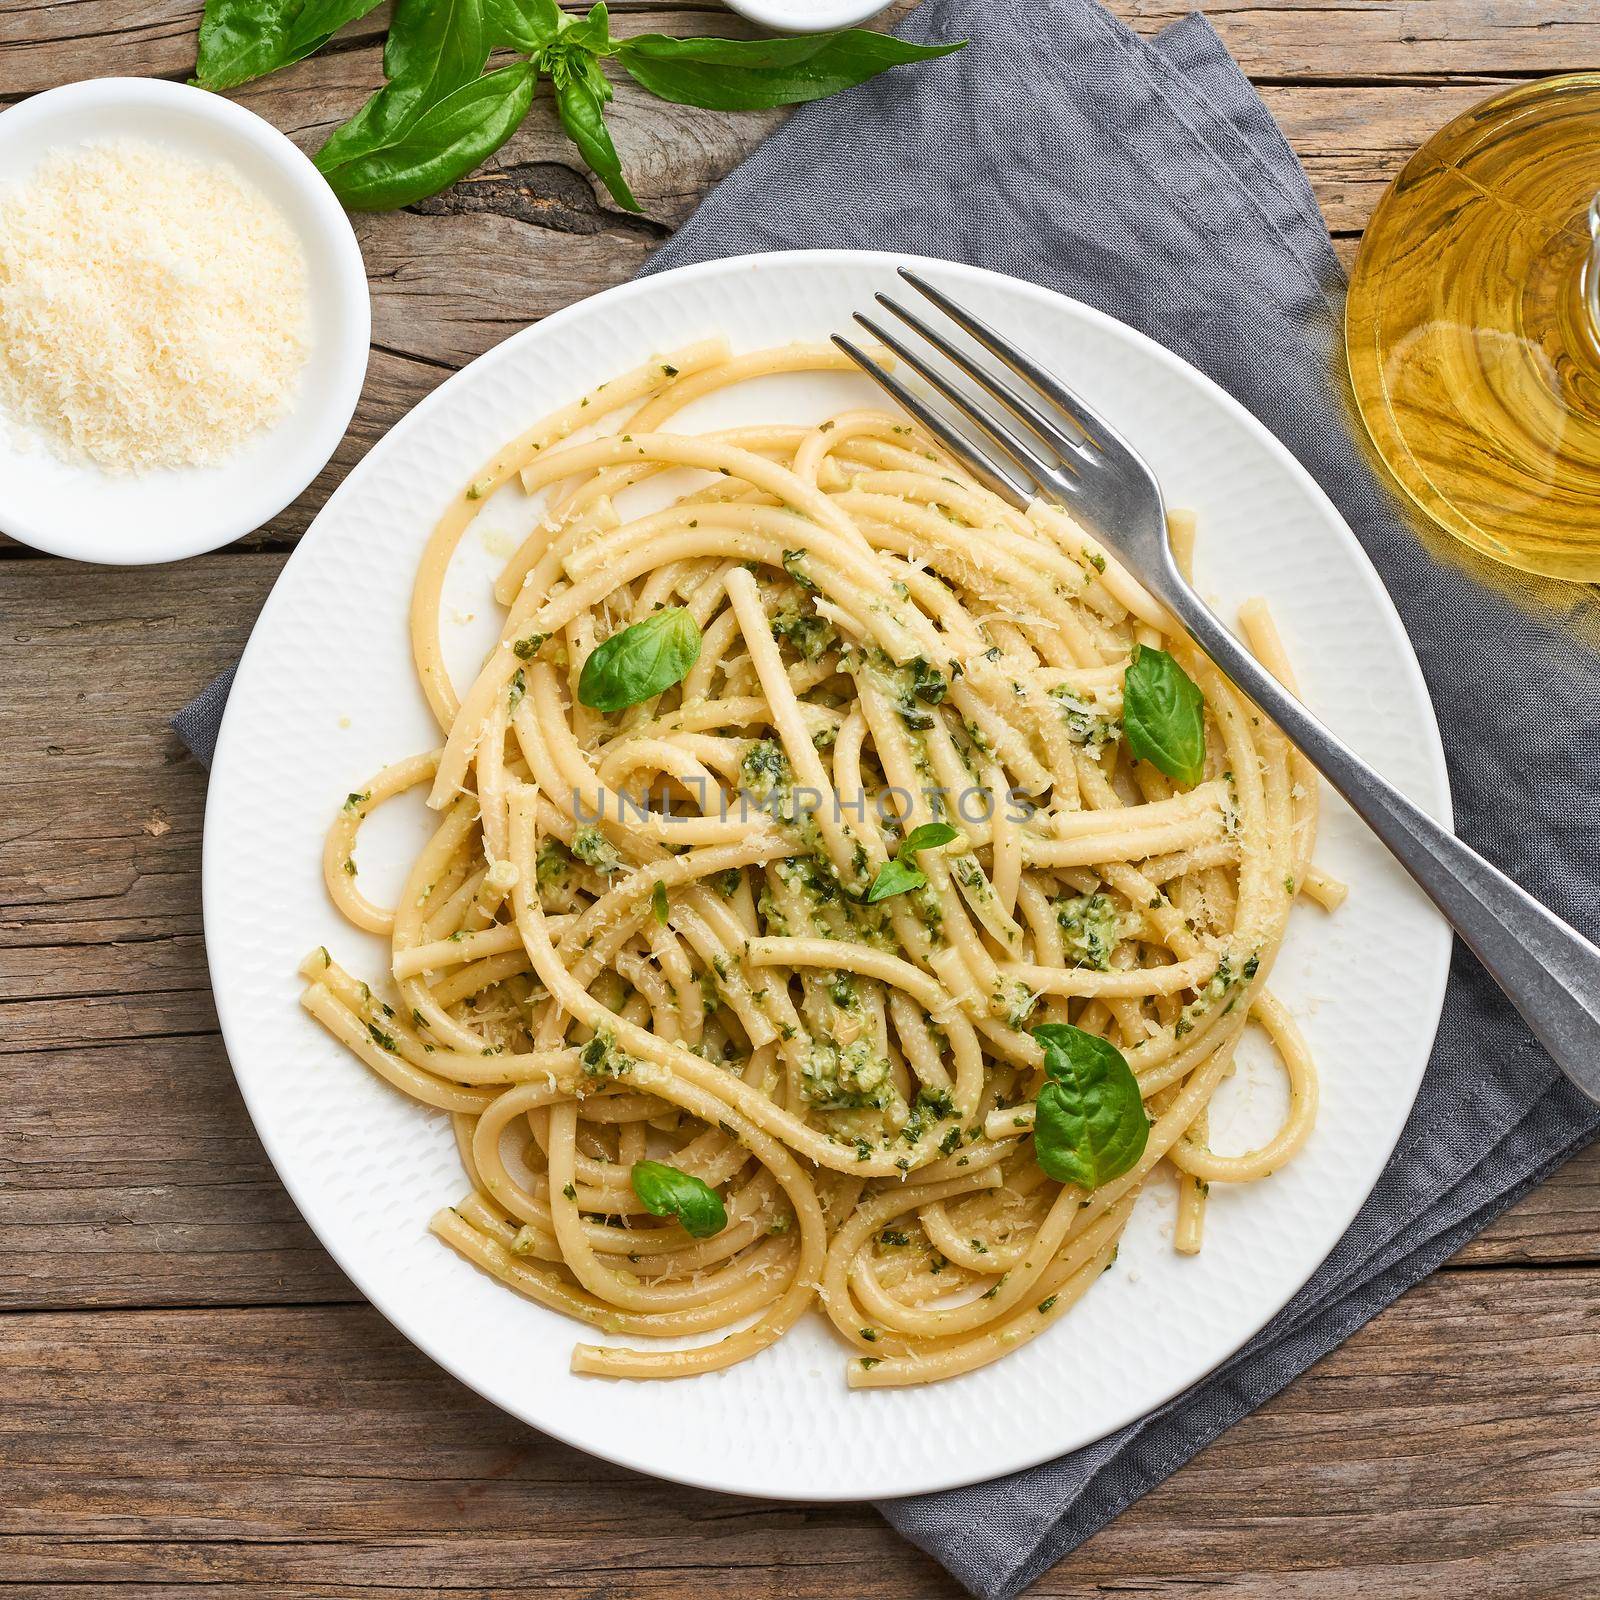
(1473,327)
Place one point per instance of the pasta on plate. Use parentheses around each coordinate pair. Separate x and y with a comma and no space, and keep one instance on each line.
(844,890)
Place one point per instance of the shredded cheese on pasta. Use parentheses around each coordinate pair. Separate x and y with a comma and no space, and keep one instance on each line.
(606,953)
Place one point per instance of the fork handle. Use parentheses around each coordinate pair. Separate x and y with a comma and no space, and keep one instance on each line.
(1548,971)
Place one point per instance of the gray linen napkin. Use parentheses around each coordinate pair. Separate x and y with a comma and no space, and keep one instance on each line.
(1146,178)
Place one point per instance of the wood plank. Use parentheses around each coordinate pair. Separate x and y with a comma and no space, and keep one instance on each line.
(531,234)
(456,275)
(46,45)
(314,1450)
(1352,141)
(1311,39)
(132,1177)
(535,235)
(1454,1442)
(1342,41)
(130,1173)
(1446,1448)
(101,805)
(1558,1221)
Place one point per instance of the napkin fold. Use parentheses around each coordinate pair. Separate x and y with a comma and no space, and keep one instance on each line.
(1147,178)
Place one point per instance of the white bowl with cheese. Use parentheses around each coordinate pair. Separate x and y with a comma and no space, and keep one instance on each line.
(239,413)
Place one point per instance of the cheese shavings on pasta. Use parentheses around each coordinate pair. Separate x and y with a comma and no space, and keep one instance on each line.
(670,933)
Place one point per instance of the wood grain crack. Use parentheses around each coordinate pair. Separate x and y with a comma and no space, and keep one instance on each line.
(543,194)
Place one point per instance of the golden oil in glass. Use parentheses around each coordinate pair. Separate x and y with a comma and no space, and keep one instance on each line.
(1473,327)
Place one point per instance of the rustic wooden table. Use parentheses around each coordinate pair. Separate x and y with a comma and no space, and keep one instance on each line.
(190,1392)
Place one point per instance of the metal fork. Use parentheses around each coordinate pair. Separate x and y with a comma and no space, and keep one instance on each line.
(1067,453)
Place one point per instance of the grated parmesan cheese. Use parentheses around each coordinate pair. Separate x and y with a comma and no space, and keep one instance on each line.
(152,307)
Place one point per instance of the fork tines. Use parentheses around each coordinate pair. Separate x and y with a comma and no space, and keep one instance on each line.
(1046,455)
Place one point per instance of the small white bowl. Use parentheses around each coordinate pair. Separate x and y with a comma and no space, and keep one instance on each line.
(129,519)
(808,16)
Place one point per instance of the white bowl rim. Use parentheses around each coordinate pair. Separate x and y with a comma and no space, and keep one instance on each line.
(238,515)
(233,736)
(807,16)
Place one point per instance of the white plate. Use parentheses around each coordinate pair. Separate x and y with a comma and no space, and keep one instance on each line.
(326,695)
(75,509)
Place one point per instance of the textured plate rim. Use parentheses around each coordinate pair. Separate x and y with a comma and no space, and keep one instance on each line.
(1029,1454)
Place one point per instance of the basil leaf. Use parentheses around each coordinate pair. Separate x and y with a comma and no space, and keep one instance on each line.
(752,74)
(641,661)
(658,902)
(592,34)
(435,45)
(902,873)
(579,102)
(895,877)
(445,143)
(1163,715)
(243,39)
(928,837)
(667,1192)
(434,48)
(526,25)
(1089,1123)
(319,20)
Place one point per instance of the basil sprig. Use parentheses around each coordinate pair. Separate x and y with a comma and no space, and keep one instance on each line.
(1164,715)
(1089,1122)
(640,661)
(901,873)
(667,1192)
(438,115)
(582,91)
